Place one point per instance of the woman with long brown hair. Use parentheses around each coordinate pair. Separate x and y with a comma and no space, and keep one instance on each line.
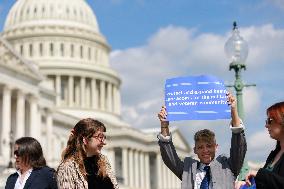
(83,166)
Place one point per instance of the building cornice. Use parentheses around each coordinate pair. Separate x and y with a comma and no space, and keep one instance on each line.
(55,31)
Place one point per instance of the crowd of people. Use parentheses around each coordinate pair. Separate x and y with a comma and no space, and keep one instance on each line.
(83,165)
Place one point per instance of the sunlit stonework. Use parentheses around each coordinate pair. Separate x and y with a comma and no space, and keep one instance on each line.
(54,70)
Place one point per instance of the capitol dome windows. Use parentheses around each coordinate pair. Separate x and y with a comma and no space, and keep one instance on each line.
(72,50)
(43,10)
(67,12)
(35,11)
(41,49)
(22,49)
(31,50)
(81,52)
(51,49)
(62,52)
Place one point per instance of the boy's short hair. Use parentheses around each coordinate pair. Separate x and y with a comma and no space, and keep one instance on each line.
(205,135)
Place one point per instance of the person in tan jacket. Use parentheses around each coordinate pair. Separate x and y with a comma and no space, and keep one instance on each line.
(83,166)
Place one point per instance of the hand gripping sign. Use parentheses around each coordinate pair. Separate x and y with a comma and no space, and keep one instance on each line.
(196,98)
(252,186)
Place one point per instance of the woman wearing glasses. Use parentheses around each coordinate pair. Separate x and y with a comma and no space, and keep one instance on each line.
(272,174)
(83,166)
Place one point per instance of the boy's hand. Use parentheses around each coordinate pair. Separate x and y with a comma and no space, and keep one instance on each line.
(239,184)
(249,175)
(231,100)
(162,115)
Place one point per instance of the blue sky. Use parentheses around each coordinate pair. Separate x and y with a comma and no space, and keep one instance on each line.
(159,39)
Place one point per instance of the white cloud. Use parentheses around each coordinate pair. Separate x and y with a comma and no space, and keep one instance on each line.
(252,100)
(260,144)
(177,51)
(278,3)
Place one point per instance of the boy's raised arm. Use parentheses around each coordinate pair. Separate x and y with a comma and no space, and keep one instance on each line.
(234,112)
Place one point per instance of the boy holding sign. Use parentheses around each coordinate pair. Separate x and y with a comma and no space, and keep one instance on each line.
(209,172)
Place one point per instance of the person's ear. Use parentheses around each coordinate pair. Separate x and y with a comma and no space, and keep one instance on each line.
(194,150)
(216,147)
(85,141)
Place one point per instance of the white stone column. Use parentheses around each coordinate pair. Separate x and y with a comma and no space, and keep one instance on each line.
(26,50)
(77,92)
(109,97)
(36,49)
(168,177)
(136,169)
(147,171)
(173,185)
(39,123)
(131,168)
(49,130)
(102,95)
(178,182)
(142,170)
(164,176)
(20,115)
(125,173)
(6,122)
(34,118)
(58,89)
(70,91)
(118,102)
(57,50)
(94,93)
(159,171)
(83,92)
(114,99)
(111,158)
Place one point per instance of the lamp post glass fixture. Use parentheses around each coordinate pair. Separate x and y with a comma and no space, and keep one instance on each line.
(236,49)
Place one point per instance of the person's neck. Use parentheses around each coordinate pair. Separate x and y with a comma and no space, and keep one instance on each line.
(91,155)
(24,170)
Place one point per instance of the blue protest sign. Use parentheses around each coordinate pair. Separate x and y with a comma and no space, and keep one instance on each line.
(196,98)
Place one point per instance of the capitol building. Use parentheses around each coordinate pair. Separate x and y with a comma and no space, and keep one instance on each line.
(54,70)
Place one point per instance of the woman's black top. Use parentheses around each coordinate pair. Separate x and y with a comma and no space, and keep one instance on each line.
(95,181)
(266,179)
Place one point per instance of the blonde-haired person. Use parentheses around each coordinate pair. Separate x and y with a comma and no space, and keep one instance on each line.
(83,166)
(272,174)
